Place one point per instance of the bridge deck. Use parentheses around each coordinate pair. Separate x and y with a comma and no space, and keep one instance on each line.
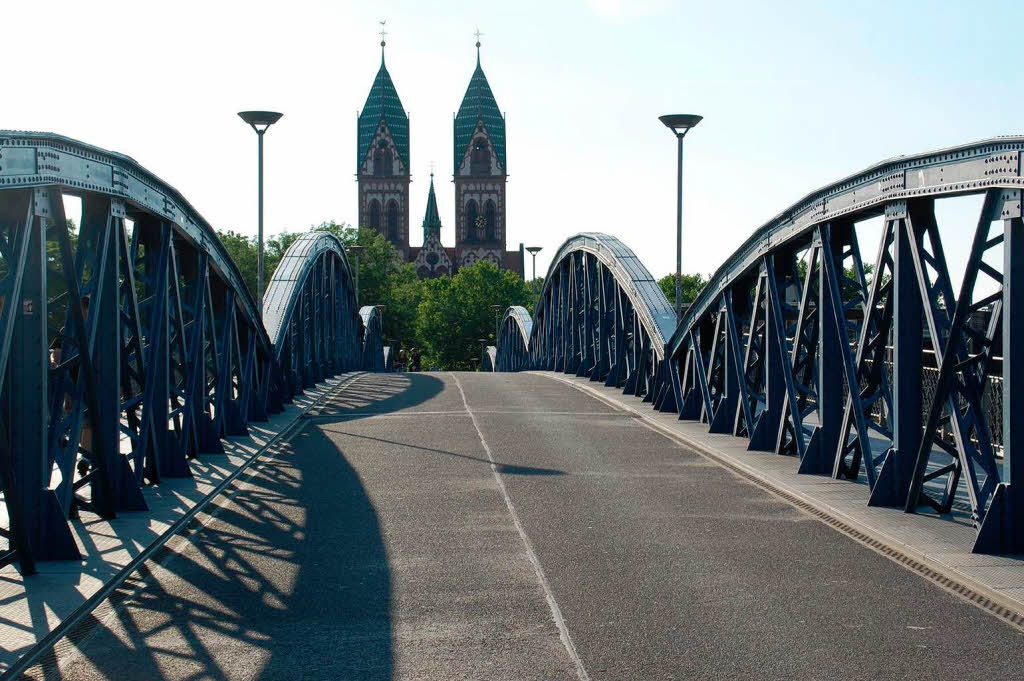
(440,526)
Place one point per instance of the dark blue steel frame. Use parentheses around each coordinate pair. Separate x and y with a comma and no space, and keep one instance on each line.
(513,350)
(372,335)
(135,346)
(769,355)
(311,315)
(602,315)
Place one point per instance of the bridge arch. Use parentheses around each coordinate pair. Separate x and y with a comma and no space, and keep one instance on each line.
(601,314)
(310,313)
(513,350)
(132,344)
(372,338)
(770,348)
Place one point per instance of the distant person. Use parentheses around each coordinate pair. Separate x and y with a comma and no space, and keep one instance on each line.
(415,366)
(402,360)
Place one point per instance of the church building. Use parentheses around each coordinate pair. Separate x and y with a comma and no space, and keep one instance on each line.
(480,175)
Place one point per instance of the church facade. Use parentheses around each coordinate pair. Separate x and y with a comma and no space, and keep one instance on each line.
(480,175)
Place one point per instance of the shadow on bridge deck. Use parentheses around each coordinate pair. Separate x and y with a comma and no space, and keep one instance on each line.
(395,393)
(289,578)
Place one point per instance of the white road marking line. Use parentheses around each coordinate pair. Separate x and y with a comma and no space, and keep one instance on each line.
(556,612)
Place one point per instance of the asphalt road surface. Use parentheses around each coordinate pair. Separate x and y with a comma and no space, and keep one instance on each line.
(507,526)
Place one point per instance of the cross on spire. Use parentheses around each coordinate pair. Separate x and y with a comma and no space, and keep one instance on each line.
(431,170)
(383,34)
(477,33)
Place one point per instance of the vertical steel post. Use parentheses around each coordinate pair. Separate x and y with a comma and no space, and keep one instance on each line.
(898,467)
(259,256)
(831,336)
(1002,530)
(48,534)
(679,229)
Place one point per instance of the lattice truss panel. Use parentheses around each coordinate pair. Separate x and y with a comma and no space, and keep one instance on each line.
(601,315)
(131,345)
(879,372)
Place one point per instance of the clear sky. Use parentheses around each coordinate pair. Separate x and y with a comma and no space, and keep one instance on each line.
(794,96)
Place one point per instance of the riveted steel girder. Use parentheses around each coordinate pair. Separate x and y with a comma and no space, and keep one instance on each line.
(877,374)
(130,346)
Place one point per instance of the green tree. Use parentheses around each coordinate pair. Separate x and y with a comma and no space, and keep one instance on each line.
(692,286)
(242,250)
(454,312)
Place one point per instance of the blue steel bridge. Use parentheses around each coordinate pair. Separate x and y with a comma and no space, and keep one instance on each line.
(620,494)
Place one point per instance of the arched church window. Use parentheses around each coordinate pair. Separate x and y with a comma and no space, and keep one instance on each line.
(375,214)
(491,220)
(471,215)
(382,160)
(480,161)
(393,221)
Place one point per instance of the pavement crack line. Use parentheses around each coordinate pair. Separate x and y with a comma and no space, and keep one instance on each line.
(549,596)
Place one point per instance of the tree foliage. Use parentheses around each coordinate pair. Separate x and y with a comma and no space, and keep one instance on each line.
(455,312)
(692,286)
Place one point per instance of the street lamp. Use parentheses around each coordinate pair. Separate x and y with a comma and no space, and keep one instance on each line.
(260,121)
(483,349)
(534,250)
(497,322)
(680,124)
(356,250)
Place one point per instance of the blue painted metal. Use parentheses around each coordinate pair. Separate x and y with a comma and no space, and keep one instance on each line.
(601,314)
(373,338)
(836,327)
(311,316)
(489,358)
(513,350)
(133,346)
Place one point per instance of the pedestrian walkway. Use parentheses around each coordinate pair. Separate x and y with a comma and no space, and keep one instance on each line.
(33,608)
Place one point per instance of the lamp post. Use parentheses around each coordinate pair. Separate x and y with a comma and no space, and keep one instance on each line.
(497,322)
(534,250)
(260,121)
(356,250)
(483,349)
(680,124)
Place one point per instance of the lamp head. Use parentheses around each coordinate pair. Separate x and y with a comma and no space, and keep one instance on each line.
(680,124)
(260,120)
(534,250)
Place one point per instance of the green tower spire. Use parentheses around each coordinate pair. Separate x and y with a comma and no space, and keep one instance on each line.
(383,104)
(479,105)
(431,219)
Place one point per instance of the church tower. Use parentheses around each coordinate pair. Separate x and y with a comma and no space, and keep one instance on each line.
(480,175)
(383,162)
(432,260)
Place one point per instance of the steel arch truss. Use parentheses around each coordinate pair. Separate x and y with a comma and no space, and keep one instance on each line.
(311,315)
(880,374)
(127,347)
(513,350)
(372,335)
(602,315)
